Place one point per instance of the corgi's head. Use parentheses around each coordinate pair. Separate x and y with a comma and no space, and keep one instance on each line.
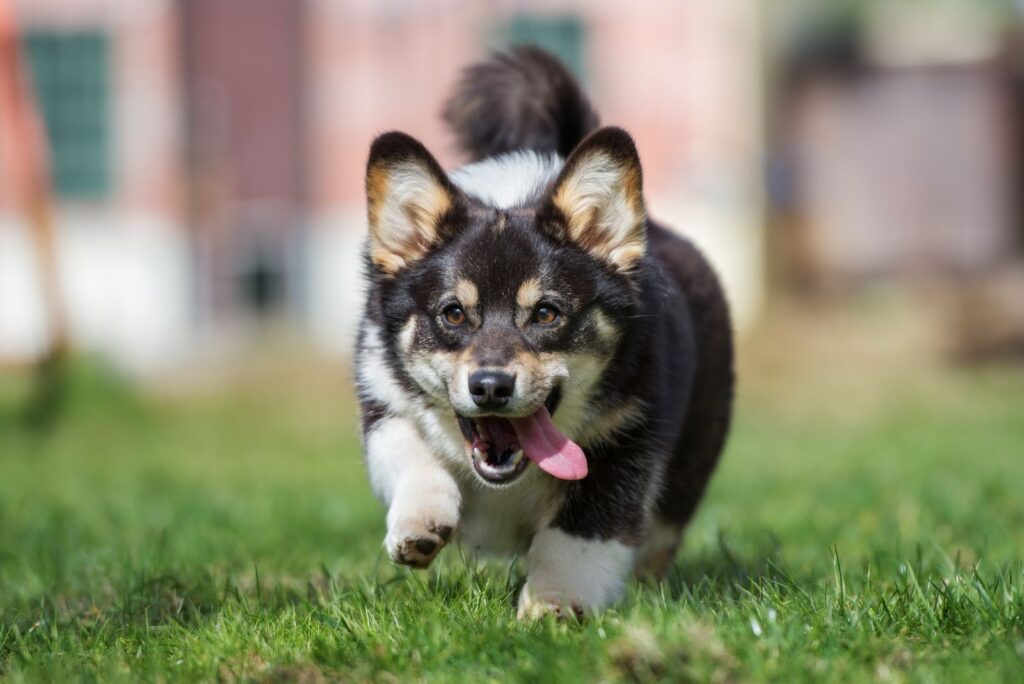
(506,287)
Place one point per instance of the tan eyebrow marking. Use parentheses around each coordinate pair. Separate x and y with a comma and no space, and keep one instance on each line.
(467,293)
(529,293)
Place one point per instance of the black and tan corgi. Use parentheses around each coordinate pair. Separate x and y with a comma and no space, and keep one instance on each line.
(542,369)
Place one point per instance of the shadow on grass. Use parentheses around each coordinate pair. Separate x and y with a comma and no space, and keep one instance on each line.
(39,401)
(188,597)
(725,573)
(165,599)
(36,400)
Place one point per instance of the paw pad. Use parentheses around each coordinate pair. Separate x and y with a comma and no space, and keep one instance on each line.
(418,544)
(426,546)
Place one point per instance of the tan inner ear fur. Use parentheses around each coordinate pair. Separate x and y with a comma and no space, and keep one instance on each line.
(603,204)
(405,202)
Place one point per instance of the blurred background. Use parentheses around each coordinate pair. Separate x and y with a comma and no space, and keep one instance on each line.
(181,217)
(200,187)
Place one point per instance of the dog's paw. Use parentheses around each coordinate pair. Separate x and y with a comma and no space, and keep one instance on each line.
(534,607)
(417,543)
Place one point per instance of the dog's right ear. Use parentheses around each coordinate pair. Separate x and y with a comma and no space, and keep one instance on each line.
(599,195)
(407,195)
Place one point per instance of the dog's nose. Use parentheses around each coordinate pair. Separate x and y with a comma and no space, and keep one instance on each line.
(491,389)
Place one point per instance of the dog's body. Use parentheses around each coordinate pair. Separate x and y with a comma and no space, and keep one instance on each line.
(524,304)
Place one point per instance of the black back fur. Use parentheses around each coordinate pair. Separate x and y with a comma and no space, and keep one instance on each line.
(675,355)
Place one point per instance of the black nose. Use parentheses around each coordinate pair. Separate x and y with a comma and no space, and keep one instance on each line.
(491,389)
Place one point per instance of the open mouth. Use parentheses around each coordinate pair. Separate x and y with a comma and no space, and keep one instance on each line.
(497,456)
(501,448)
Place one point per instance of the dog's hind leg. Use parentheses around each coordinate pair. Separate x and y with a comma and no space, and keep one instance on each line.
(423,498)
(709,411)
(658,550)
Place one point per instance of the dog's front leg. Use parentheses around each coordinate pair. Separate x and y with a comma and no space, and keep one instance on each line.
(422,497)
(583,559)
(569,574)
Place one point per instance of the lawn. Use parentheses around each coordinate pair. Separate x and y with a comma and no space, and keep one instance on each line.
(864,525)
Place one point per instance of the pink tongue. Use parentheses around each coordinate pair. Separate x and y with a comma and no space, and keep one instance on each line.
(553,452)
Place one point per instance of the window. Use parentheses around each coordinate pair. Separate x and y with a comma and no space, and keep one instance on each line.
(560,35)
(70,72)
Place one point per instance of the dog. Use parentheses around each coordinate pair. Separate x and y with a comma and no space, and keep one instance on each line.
(541,368)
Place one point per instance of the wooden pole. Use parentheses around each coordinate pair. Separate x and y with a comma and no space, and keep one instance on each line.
(23,141)
(23,144)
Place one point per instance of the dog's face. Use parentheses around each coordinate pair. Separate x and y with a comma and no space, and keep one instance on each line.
(502,313)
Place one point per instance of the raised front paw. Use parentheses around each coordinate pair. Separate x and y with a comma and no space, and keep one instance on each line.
(416,543)
(533,606)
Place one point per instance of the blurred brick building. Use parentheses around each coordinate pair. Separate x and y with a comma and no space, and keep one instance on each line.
(897,149)
(208,154)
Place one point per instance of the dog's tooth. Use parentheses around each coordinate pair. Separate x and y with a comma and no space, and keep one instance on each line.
(478,453)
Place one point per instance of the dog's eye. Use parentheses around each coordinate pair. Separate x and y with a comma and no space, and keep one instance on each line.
(545,314)
(454,314)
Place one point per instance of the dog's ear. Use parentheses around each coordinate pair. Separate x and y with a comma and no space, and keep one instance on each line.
(599,196)
(408,195)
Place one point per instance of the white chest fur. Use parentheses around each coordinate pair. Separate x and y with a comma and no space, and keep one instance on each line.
(493,520)
(504,521)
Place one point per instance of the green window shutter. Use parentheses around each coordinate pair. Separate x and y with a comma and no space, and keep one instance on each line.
(564,36)
(70,71)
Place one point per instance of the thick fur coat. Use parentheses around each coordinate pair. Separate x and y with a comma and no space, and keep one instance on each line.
(542,369)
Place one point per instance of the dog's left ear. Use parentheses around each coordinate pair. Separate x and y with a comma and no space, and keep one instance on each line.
(599,194)
(408,196)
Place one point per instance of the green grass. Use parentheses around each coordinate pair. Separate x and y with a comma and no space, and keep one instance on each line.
(231,534)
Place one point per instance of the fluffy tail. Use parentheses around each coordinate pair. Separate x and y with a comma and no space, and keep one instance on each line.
(524,98)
